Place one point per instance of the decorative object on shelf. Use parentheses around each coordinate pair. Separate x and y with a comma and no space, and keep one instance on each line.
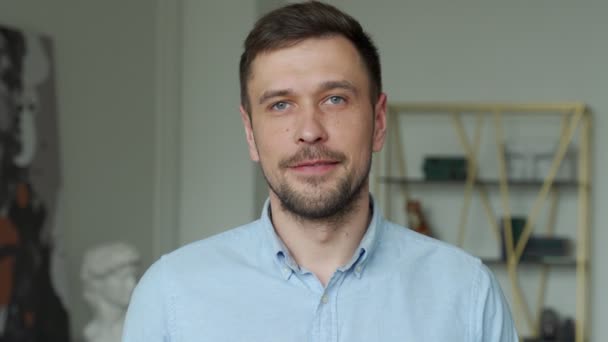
(445,168)
(566,171)
(531,159)
(517,227)
(109,274)
(415,218)
(546,247)
(549,325)
(567,331)
(538,248)
(519,161)
(554,329)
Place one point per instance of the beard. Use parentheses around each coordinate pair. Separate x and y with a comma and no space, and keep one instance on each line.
(320,203)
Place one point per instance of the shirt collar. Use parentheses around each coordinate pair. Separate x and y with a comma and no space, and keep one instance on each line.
(357,263)
(281,256)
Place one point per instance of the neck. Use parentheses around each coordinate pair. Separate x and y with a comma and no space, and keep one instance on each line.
(322,246)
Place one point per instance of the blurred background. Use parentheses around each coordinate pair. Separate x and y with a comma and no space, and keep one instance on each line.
(152,149)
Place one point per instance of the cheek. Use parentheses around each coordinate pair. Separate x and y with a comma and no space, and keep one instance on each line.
(354,133)
(271,138)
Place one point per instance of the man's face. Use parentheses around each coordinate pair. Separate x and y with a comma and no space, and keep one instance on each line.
(313,125)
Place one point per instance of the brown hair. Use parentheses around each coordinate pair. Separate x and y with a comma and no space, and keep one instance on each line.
(289,25)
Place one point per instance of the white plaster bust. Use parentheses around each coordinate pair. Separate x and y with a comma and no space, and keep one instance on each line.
(109,274)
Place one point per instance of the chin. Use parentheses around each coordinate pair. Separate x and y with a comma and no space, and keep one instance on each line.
(317,204)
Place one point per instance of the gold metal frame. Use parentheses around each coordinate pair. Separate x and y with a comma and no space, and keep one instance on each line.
(574,116)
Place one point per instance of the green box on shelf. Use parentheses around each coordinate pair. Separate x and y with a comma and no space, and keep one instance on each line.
(438,168)
(538,247)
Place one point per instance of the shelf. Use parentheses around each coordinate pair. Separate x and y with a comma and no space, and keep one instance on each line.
(472,123)
(486,108)
(559,262)
(484,182)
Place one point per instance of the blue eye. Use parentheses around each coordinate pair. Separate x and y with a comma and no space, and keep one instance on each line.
(336,100)
(282,105)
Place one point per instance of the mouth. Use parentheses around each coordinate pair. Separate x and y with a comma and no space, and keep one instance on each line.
(314,166)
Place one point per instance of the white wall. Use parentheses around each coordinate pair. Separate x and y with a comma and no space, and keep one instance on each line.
(217,177)
(514,51)
(104,53)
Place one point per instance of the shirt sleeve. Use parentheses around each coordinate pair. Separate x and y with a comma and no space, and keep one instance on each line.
(492,314)
(149,309)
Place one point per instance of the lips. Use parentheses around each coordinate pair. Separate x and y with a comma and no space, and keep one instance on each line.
(313,160)
(314,163)
(314,167)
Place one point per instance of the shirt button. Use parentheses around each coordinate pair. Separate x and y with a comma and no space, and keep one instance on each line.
(358,269)
(286,269)
(324,299)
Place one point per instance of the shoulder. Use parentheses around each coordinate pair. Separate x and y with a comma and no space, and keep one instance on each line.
(451,275)
(202,257)
(232,245)
(246,234)
(191,264)
(443,268)
(405,246)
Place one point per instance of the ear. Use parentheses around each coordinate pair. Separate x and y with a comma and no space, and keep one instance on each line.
(379,123)
(253,151)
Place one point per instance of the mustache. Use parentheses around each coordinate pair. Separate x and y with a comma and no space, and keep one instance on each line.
(310,152)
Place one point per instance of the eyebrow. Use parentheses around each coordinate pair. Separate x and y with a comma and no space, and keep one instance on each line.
(274,93)
(329,85)
(325,86)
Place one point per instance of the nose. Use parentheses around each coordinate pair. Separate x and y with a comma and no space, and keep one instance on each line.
(311,128)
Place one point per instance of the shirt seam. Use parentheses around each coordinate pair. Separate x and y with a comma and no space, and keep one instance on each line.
(475,324)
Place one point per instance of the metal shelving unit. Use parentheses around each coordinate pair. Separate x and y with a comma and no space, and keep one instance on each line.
(575,118)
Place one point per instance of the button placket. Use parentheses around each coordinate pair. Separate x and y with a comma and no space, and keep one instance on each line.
(327,309)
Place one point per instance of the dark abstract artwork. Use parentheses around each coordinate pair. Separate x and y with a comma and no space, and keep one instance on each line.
(31,308)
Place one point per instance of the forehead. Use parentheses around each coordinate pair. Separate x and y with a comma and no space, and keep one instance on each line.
(307,63)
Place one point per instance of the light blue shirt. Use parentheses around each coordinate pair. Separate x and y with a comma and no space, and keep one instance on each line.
(242,285)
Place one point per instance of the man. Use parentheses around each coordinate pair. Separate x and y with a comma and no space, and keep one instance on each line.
(321,264)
